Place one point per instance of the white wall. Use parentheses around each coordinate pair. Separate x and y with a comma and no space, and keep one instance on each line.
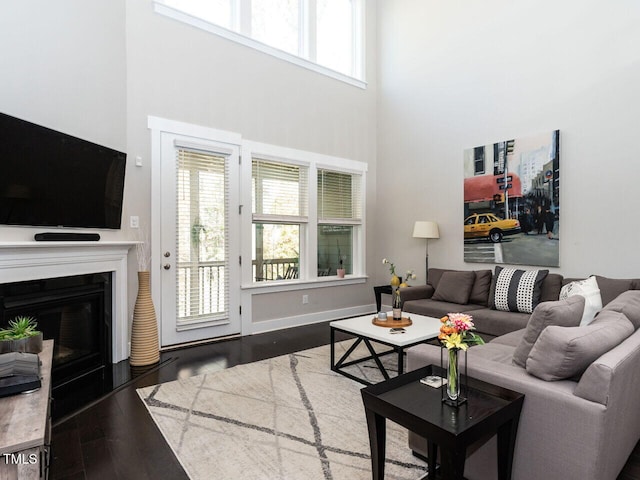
(454,75)
(64,67)
(97,69)
(179,72)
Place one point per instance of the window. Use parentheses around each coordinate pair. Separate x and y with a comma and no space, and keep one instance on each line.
(478,160)
(323,35)
(339,219)
(201,236)
(307,215)
(277,23)
(279,215)
(335,45)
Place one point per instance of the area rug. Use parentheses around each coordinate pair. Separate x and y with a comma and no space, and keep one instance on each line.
(289,417)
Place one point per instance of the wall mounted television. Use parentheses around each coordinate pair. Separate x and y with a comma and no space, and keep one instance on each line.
(51,179)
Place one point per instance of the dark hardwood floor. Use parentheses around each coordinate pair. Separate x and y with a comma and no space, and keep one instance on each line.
(115,438)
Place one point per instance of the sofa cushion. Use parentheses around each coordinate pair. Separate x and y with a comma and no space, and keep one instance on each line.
(515,290)
(610,288)
(479,292)
(565,313)
(497,322)
(434,308)
(416,292)
(551,287)
(496,352)
(454,287)
(564,352)
(481,287)
(511,339)
(627,303)
(435,274)
(588,288)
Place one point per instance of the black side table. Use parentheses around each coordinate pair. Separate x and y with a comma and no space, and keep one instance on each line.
(404,400)
(378,291)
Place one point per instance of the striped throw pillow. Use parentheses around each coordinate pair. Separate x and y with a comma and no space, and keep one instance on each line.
(514,290)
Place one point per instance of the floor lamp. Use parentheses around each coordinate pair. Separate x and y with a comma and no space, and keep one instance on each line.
(427,230)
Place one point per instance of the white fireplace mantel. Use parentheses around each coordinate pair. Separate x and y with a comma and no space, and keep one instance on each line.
(23,261)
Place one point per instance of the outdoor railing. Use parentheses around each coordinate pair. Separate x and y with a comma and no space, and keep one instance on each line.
(275,269)
(201,288)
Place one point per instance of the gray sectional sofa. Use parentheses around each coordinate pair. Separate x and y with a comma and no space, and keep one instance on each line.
(581,383)
(489,322)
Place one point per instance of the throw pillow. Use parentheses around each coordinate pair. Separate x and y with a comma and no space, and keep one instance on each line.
(564,352)
(565,313)
(454,287)
(588,288)
(551,287)
(610,288)
(481,288)
(627,303)
(514,290)
(435,274)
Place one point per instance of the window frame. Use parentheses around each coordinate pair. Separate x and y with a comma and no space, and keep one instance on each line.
(309,232)
(301,220)
(240,32)
(355,222)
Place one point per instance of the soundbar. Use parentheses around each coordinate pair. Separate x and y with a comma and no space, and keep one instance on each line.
(66,237)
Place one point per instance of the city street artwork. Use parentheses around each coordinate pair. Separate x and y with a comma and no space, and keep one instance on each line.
(512,201)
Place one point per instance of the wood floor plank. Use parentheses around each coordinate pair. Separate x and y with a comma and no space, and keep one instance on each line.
(66,452)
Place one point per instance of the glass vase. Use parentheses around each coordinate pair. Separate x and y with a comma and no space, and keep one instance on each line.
(453,376)
(454,393)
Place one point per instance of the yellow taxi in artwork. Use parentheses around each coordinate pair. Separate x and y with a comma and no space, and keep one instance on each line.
(488,225)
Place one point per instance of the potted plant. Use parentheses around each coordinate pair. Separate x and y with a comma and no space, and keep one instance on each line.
(340,270)
(22,335)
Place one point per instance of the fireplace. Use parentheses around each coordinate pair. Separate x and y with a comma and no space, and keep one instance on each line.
(42,262)
(73,311)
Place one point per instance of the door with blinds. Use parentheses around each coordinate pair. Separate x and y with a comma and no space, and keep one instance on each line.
(200,269)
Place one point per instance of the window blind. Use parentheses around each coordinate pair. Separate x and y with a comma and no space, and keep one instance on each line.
(339,197)
(280,191)
(202,236)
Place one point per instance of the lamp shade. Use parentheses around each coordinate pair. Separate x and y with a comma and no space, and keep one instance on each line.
(423,229)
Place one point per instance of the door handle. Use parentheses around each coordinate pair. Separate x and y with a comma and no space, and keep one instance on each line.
(166,266)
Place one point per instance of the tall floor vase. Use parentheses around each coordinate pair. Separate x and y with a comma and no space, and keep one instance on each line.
(144,330)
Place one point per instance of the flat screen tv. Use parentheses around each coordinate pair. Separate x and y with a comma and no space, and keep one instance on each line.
(51,179)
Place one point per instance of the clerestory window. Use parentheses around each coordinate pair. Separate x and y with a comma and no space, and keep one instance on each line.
(324,35)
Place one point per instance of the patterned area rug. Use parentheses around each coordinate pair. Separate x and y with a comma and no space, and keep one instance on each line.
(288,417)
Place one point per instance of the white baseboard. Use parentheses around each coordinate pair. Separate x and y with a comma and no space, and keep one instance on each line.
(310,318)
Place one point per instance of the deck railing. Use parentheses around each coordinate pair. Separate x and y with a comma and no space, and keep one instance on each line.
(275,269)
(201,288)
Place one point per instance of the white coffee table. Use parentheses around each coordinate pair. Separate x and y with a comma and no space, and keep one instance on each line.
(364,331)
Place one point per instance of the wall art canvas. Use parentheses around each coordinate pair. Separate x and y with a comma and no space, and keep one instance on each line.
(512,201)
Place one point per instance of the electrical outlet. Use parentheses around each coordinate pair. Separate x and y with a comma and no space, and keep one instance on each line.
(305,299)
(134,221)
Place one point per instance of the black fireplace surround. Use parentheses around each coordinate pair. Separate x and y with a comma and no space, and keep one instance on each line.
(76,312)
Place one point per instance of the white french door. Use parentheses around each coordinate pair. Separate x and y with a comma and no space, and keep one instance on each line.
(199,217)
